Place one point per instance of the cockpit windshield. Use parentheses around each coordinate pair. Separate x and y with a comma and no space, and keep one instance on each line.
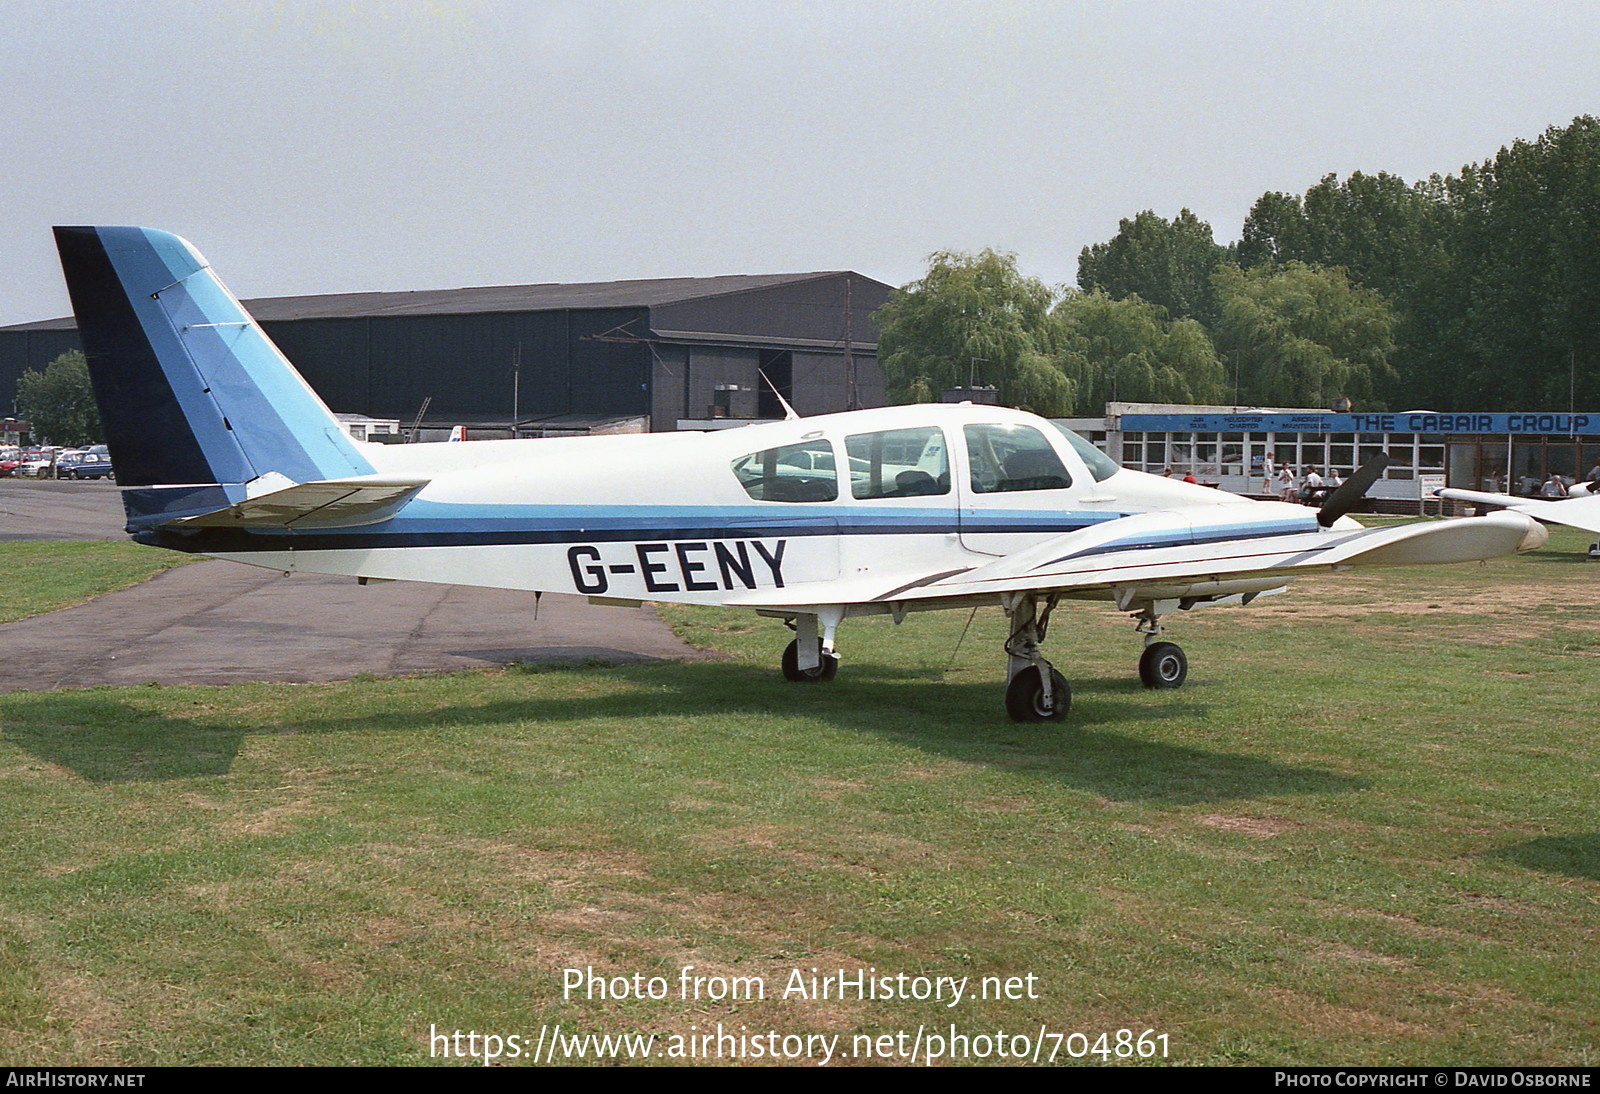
(1101,466)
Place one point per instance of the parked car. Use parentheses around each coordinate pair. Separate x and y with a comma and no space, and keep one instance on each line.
(7,466)
(84,465)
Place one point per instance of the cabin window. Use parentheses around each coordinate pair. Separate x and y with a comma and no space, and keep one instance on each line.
(794,472)
(1005,458)
(898,463)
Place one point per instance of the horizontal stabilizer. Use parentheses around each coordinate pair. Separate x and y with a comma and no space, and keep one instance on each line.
(330,503)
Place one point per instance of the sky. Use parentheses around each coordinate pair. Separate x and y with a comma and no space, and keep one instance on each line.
(319,147)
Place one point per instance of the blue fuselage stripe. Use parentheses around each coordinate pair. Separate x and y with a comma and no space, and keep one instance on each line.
(504,526)
(443,525)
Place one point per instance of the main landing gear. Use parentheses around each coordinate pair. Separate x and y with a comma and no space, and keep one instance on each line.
(1035,691)
(826,668)
(810,659)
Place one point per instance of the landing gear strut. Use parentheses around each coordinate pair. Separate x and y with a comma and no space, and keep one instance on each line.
(1035,691)
(827,665)
(810,659)
(1163,664)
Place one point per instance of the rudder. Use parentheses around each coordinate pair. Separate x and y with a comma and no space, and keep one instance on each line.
(192,392)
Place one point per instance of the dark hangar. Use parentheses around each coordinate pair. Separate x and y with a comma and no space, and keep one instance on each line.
(550,359)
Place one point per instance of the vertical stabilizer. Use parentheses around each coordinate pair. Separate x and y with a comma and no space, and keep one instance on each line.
(192,392)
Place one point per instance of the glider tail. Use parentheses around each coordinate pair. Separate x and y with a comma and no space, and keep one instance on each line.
(195,399)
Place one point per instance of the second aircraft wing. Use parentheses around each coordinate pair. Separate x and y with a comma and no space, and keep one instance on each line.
(1181,554)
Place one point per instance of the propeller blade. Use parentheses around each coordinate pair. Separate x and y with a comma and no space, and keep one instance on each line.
(1349,493)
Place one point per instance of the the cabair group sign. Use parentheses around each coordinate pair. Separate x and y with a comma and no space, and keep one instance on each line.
(1404,422)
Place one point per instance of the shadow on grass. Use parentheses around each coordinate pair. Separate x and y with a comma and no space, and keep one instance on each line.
(104,740)
(1575,856)
(105,737)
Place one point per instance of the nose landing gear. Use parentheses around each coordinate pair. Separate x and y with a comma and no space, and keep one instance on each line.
(1163,664)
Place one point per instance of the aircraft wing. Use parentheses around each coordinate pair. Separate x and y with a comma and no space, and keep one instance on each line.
(1173,556)
(1580,512)
(327,503)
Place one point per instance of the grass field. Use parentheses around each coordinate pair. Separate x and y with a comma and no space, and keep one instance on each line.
(43,576)
(1367,831)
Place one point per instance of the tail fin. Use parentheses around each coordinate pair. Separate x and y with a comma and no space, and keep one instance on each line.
(195,399)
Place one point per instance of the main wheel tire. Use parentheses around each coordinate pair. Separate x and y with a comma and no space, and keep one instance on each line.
(1163,665)
(1025,697)
(792,670)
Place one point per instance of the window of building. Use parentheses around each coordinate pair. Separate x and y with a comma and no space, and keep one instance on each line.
(1313,451)
(1231,460)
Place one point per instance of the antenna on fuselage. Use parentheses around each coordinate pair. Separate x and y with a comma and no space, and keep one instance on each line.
(788,411)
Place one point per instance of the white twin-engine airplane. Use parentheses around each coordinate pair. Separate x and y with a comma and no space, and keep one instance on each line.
(222,449)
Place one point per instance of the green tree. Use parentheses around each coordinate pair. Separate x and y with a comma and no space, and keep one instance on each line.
(1128,350)
(1375,226)
(1167,263)
(1303,336)
(59,402)
(1492,273)
(1511,317)
(1385,234)
(1273,231)
(972,317)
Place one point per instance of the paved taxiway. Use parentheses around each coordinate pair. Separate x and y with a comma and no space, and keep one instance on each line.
(219,622)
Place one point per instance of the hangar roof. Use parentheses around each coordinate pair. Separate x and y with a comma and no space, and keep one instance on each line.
(500,298)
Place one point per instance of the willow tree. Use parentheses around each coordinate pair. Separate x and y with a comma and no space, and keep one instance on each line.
(1129,350)
(1302,336)
(972,319)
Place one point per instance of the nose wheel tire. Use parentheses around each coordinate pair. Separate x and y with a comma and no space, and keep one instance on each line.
(1025,700)
(1163,665)
(793,672)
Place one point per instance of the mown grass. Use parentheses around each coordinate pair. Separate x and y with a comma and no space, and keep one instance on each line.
(47,576)
(1366,831)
